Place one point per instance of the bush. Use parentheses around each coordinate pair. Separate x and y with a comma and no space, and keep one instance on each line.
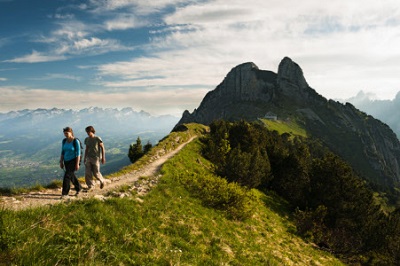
(311,224)
(238,153)
(236,201)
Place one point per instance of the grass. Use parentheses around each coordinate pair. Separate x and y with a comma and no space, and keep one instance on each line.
(293,127)
(169,226)
(17,191)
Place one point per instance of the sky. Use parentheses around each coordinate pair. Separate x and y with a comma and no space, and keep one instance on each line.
(163,56)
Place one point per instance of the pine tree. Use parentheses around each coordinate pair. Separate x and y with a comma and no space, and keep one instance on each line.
(135,151)
(147,147)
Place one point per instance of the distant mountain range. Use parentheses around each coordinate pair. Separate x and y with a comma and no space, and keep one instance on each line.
(248,93)
(108,121)
(30,140)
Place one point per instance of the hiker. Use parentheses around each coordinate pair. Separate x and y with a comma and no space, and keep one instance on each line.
(94,152)
(70,158)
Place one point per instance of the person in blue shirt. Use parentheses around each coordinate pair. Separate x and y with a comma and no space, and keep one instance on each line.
(70,158)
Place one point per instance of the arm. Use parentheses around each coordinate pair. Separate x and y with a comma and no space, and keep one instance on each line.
(62,161)
(79,151)
(85,157)
(77,163)
(103,153)
(62,155)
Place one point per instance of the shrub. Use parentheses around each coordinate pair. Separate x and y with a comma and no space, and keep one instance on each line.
(54,184)
(236,201)
(311,223)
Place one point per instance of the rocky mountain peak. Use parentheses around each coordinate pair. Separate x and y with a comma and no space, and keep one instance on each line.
(246,66)
(242,82)
(291,81)
(290,72)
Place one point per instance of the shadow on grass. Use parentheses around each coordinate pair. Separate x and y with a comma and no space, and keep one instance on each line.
(276,204)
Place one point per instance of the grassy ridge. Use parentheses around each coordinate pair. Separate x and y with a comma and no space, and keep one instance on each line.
(291,127)
(169,226)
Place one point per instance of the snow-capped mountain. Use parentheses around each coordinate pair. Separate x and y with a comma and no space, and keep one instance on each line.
(107,121)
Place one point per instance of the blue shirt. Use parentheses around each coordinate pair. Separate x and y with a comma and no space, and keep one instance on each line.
(68,150)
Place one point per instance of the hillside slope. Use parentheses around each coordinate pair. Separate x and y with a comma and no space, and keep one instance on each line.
(167,226)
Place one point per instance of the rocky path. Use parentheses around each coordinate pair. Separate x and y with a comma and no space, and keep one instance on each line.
(53,196)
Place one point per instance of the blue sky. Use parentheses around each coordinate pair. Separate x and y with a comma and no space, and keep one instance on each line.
(163,56)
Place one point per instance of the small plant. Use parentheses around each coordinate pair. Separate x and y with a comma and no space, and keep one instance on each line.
(54,184)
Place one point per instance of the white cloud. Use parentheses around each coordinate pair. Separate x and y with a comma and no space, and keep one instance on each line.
(124,22)
(3,79)
(66,44)
(111,4)
(72,30)
(140,7)
(73,37)
(36,57)
(51,76)
(342,46)
(89,43)
(94,45)
(63,16)
(192,68)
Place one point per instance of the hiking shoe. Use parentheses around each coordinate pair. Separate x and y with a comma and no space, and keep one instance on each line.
(64,197)
(101,185)
(77,193)
(86,190)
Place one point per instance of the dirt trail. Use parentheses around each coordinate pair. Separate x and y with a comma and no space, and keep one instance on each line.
(53,196)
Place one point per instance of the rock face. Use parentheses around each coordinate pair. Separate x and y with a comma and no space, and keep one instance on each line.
(244,84)
(249,93)
(290,73)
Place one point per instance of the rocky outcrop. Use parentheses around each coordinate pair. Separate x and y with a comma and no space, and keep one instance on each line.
(244,84)
(249,93)
(291,83)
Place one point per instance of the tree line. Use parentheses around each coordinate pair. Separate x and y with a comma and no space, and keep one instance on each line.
(332,206)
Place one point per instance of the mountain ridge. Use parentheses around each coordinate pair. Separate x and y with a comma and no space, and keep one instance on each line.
(248,93)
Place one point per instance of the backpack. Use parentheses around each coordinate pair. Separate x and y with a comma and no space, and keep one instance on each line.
(76,147)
